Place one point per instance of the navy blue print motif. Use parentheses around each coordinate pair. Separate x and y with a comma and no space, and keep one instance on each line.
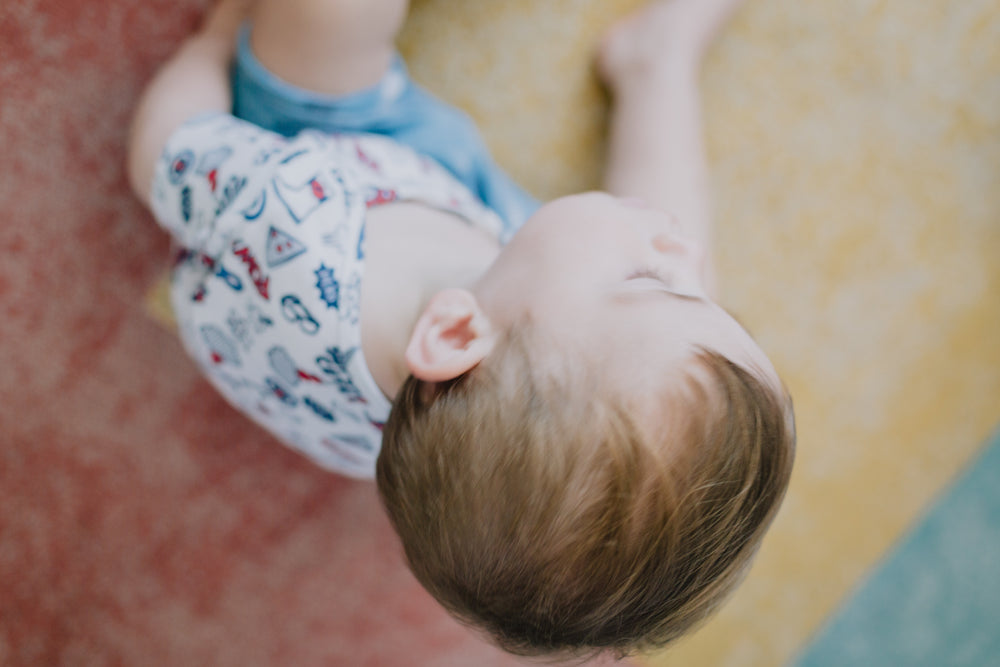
(334,363)
(186,203)
(329,288)
(291,158)
(319,410)
(253,211)
(230,191)
(229,278)
(296,313)
(361,244)
(302,199)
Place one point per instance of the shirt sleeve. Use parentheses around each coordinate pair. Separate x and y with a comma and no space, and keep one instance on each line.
(207,162)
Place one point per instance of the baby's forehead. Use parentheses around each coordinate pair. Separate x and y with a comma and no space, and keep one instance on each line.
(676,417)
(663,387)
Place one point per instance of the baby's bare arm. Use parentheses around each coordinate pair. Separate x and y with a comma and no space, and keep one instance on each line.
(193,81)
(651,62)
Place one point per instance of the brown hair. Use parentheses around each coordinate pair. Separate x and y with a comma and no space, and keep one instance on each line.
(534,508)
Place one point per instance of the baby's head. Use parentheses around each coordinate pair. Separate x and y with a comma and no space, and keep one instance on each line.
(589,451)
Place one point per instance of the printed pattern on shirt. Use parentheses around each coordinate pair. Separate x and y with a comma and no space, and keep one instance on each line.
(266,285)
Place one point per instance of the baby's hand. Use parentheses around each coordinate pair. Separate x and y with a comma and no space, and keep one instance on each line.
(662,36)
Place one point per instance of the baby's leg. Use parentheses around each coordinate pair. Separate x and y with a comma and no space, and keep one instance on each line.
(195,80)
(339,57)
(333,47)
(651,62)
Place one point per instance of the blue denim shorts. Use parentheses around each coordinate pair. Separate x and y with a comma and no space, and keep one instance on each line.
(395,107)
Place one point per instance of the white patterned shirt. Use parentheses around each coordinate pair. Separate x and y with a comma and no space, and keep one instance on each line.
(267,284)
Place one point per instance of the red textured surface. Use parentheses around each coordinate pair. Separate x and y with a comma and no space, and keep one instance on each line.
(142,521)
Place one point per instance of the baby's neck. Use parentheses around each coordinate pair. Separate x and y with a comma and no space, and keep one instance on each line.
(412,252)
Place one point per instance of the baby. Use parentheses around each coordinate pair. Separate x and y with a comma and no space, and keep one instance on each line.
(579,449)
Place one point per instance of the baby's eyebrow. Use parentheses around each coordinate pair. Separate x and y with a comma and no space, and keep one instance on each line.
(660,293)
(686,297)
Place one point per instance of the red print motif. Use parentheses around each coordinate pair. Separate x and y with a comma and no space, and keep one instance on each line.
(260,281)
(381,197)
(307,377)
(365,160)
(317,190)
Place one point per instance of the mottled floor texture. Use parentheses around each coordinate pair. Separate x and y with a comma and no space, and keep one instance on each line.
(855,148)
(935,599)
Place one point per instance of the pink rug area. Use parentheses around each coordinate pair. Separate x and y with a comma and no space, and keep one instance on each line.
(143,521)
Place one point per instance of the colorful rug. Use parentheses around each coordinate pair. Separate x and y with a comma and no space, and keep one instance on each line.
(855,150)
(935,599)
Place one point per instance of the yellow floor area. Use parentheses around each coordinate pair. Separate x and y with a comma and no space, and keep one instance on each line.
(855,152)
(855,148)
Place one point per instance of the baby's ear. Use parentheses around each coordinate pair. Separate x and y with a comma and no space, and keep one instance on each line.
(452,335)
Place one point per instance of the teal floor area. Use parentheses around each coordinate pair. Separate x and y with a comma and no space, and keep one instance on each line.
(935,599)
